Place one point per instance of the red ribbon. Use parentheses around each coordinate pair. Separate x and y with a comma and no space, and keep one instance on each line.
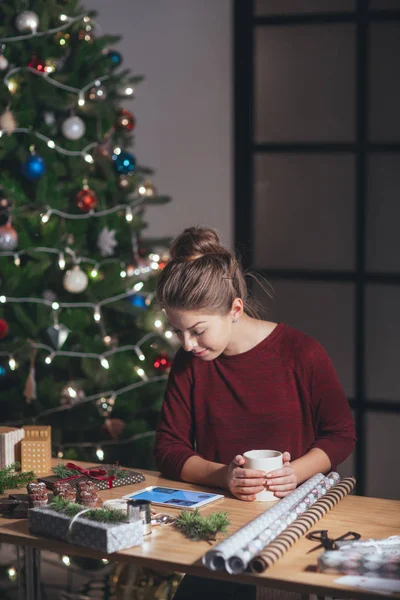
(95,473)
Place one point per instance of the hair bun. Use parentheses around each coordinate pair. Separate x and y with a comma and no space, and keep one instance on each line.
(195,242)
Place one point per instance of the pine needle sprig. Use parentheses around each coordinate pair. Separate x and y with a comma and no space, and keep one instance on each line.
(102,515)
(197,527)
(62,472)
(10,479)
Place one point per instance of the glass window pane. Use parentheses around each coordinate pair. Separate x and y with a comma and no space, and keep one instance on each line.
(304,211)
(383,448)
(305,83)
(383,213)
(280,7)
(384,85)
(382,342)
(322,310)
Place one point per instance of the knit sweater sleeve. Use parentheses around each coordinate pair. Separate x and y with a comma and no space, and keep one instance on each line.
(175,430)
(333,421)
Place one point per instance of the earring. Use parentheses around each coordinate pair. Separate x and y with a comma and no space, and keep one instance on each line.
(234,321)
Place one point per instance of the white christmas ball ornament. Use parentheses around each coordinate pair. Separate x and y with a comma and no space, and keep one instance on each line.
(73,128)
(3,63)
(75,280)
(27,21)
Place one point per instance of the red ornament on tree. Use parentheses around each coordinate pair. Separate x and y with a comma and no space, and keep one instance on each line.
(38,64)
(162,362)
(3,328)
(125,120)
(86,199)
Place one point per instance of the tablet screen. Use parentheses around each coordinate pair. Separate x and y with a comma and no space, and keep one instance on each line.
(174,497)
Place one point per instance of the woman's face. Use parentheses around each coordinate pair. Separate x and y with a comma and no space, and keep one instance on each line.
(205,335)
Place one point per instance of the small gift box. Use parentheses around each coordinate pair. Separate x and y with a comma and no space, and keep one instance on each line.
(83,531)
(104,477)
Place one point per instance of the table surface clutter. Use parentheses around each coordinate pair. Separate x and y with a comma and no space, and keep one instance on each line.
(167,549)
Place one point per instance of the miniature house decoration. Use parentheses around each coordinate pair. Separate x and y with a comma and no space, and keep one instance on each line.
(36,449)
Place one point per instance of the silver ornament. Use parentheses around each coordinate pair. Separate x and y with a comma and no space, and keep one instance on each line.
(58,335)
(73,128)
(8,237)
(3,62)
(27,21)
(75,280)
(49,118)
(106,241)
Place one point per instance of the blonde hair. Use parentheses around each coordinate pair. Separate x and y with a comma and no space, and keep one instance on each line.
(202,275)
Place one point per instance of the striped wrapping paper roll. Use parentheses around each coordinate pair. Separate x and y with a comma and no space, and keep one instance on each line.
(240,560)
(300,526)
(215,559)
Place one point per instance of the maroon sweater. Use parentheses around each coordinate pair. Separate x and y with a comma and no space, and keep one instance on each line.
(283,394)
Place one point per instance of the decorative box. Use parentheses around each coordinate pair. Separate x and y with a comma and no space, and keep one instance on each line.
(106,537)
(370,558)
(10,445)
(102,476)
(36,449)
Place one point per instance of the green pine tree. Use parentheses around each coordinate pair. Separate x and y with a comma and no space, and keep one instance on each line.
(72,203)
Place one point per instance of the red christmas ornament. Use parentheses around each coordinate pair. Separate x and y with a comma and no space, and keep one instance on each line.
(3,328)
(38,64)
(86,199)
(162,362)
(125,120)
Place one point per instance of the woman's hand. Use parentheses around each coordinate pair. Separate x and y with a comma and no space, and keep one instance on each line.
(282,481)
(244,484)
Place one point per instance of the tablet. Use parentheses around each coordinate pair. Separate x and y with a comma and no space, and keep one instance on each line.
(173,497)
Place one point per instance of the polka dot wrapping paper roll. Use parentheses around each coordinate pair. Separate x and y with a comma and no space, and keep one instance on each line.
(301,525)
(217,558)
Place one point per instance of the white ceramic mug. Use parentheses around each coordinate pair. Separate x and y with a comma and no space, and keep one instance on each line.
(264,460)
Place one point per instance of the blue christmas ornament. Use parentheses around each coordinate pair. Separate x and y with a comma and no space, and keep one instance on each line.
(138,301)
(34,167)
(115,58)
(124,162)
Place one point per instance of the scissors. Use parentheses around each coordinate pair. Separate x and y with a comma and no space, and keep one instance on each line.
(328,543)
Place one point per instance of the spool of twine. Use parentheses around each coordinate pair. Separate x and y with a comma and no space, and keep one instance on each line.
(301,525)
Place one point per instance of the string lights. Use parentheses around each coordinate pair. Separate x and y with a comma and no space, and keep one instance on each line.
(45,217)
(92,398)
(102,358)
(67,22)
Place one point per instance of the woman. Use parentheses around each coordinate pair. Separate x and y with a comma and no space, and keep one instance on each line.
(241,383)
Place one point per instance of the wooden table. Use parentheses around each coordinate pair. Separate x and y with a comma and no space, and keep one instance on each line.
(167,549)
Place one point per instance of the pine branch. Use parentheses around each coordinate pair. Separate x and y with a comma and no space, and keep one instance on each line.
(62,472)
(102,515)
(9,479)
(197,527)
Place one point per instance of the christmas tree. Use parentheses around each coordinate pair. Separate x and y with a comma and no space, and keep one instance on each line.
(83,347)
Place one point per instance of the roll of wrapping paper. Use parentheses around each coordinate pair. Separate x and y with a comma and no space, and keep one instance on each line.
(240,560)
(216,558)
(301,525)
